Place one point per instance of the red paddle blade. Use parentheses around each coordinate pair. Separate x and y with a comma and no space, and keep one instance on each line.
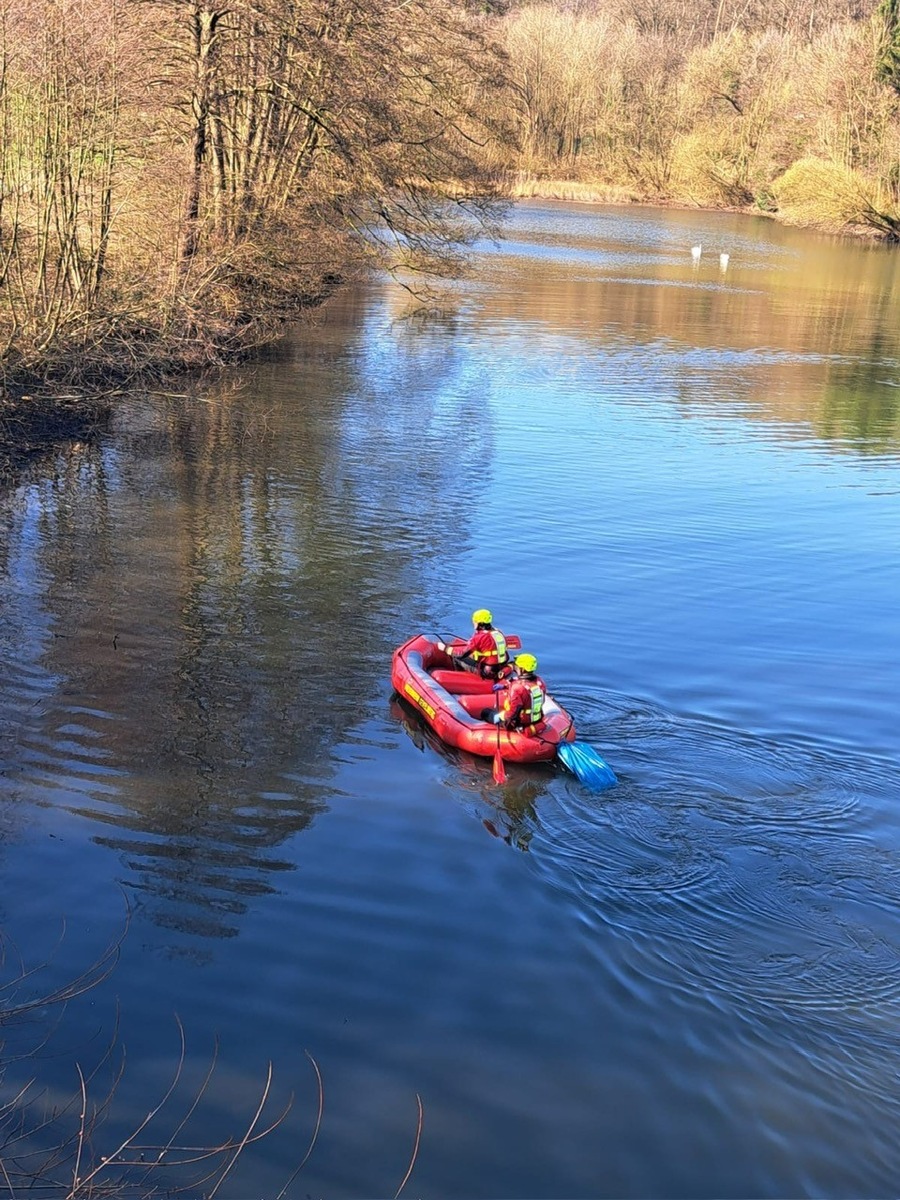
(499,769)
(513,641)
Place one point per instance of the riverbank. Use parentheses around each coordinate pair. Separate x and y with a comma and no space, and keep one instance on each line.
(70,393)
(573,191)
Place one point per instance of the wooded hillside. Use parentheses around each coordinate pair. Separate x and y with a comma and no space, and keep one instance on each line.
(178,175)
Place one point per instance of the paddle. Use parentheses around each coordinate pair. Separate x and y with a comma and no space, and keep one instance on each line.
(513,642)
(585,763)
(499,770)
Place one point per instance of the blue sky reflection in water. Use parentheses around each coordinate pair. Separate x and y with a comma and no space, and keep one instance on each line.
(681,487)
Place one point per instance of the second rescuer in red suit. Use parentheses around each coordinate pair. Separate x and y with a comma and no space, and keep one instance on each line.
(522,705)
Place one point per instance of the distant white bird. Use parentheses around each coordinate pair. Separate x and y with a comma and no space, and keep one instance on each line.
(696,251)
(723,262)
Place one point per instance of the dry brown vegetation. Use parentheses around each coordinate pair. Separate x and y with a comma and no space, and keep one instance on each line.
(177,175)
(716,104)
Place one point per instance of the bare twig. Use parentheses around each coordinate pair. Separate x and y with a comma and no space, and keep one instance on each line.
(315,1130)
(415,1153)
(256,1116)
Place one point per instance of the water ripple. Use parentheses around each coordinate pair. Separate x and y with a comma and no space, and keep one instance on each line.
(742,868)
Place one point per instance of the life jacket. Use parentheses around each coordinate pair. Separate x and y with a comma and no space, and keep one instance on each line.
(530,718)
(534,713)
(496,657)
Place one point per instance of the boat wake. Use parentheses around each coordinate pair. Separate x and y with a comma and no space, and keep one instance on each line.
(738,865)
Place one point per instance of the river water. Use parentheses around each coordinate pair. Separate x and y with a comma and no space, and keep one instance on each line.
(680,485)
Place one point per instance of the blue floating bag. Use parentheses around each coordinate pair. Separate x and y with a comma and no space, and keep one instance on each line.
(584,762)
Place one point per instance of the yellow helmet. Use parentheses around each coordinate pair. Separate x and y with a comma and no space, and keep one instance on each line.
(482,616)
(526,662)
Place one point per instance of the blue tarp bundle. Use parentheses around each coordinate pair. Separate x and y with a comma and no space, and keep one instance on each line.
(584,761)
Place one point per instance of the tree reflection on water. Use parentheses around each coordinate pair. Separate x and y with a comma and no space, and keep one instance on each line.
(196,605)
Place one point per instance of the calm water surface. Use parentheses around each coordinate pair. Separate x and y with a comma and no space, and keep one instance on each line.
(681,487)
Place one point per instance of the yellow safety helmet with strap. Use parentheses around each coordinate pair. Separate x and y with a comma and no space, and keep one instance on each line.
(526,662)
(482,616)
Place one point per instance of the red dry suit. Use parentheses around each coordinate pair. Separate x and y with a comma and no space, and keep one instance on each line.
(522,707)
(486,648)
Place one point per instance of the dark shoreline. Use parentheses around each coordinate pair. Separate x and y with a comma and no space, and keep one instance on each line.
(42,409)
(34,421)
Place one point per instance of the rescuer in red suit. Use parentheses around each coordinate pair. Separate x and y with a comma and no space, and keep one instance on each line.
(485,651)
(522,706)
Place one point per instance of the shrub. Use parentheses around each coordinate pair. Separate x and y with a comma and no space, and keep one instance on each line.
(814,191)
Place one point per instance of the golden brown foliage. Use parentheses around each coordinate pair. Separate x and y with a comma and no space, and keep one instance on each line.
(707,103)
(177,175)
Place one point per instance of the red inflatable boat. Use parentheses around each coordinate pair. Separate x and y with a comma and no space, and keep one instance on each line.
(452,701)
